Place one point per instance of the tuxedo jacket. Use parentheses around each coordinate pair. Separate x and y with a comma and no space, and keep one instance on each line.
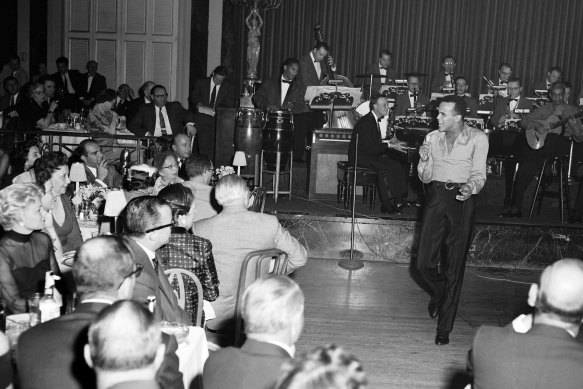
(62,340)
(544,357)
(376,82)
(539,85)
(503,103)
(256,365)
(270,94)
(98,85)
(5,102)
(145,118)
(472,105)
(307,74)
(402,103)
(370,145)
(438,79)
(76,82)
(150,283)
(201,93)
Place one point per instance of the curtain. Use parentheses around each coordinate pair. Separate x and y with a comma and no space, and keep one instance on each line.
(532,35)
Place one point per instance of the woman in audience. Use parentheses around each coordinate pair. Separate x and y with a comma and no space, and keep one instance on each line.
(26,254)
(51,170)
(327,367)
(187,251)
(33,111)
(23,162)
(5,363)
(102,119)
(167,166)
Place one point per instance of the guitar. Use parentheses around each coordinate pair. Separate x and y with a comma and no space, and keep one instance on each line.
(536,140)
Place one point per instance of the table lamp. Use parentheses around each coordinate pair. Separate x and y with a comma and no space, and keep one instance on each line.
(77,174)
(239,160)
(115,202)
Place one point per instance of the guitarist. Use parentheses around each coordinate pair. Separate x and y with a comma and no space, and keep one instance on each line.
(557,142)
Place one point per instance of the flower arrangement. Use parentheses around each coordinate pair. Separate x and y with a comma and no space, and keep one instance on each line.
(220,172)
(89,200)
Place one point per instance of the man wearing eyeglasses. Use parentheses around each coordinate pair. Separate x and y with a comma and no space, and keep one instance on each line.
(33,112)
(162,118)
(445,78)
(146,221)
(104,272)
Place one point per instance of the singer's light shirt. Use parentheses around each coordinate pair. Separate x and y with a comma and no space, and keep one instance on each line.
(316,65)
(465,164)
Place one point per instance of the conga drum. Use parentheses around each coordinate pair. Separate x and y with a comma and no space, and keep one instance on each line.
(248,138)
(278,136)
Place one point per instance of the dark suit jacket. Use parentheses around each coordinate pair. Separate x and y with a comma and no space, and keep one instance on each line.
(370,144)
(270,94)
(544,357)
(5,102)
(64,339)
(539,85)
(256,365)
(307,74)
(472,105)
(145,119)
(113,179)
(438,79)
(502,104)
(402,103)
(151,284)
(376,82)
(202,91)
(132,108)
(98,85)
(76,81)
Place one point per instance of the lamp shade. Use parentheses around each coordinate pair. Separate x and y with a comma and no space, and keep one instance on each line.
(77,173)
(239,159)
(115,202)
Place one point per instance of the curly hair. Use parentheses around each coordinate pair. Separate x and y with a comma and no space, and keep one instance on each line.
(20,155)
(14,199)
(46,165)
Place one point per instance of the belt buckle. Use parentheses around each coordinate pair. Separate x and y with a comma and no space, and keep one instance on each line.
(449,185)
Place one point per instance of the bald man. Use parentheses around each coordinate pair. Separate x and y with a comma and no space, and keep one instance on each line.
(539,351)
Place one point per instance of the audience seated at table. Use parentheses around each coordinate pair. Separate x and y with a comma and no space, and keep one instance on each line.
(26,253)
(6,373)
(199,170)
(52,167)
(104,272)
(92,84)
(234,233)
(327,367)
(273,310)
(4,167)
(187,251)
(143,98)
(22,163)
(125,94)
(102,119)
(167,166)
(99,171)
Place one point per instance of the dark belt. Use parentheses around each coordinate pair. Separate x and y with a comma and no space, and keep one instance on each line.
(449,185)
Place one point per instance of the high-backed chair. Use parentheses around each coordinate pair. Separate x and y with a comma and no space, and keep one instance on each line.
(178,274)
(258,196)
(257,264)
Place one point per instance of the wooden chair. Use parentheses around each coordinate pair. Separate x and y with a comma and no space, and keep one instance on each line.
(258,196)
(178,274)
(257,264)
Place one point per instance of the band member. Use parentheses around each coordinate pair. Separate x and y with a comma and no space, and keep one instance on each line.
(282,91)
(384,68)
(373,153)
(453,164)
(556,143)
(446,77)
(461,90)
(554,75)
(504,74)
(568,92)
(411,99)
(506,108)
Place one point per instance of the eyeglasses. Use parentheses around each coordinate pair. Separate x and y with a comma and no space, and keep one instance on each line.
(175,164)
(36,92)
(159,227)
(137,271)
(160,96)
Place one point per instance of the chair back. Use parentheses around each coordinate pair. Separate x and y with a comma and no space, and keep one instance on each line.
(178,274)
(258,196)
(257,264)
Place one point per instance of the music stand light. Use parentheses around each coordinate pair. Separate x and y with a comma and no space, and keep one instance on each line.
(115,202)
(77,174)
(239,160)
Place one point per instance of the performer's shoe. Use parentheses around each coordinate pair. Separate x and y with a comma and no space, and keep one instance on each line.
(433,308)
(442,338)
(510,214)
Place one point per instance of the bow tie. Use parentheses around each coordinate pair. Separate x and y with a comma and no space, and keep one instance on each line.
(516,99)
(285,81)
(379,119)
(316,61)
(382,68)
(503,82)
(412,94)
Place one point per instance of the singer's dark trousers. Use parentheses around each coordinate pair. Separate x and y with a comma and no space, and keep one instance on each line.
(445,239)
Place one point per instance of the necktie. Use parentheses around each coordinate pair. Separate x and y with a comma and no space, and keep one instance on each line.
(213,96)
(162,123)
(155,263)
(13,101)
(379,127)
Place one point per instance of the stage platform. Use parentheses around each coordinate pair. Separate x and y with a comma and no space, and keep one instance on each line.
(324,226)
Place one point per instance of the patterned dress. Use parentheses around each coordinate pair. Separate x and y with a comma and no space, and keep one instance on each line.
(192,253)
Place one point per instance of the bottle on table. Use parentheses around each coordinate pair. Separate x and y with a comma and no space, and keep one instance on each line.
(152,304)
(49,306)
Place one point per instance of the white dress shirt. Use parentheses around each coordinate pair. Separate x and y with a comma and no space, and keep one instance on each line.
(158,129)
(70,88)
(316,65)
(284,89)
(512,104)
(151,254)
(89,81)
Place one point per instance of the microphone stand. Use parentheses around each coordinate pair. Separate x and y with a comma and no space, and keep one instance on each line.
(351,258)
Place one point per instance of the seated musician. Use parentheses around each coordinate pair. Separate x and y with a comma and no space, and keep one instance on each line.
(461,90)
(282,91)
(445,78)
(411,99)
(374,154)
(568,92)
(382,67)
(506,107)
(554,75)
(556,142)
(504,74)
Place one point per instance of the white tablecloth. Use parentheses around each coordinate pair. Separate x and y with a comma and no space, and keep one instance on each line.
(192,355)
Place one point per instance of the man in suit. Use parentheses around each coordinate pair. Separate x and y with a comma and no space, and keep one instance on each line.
(104,272)
(97,168)
(246,231)
(122,100)
(504,74)
(69,84)
(92,83)
(125,347)
(183,150)
(209,94)
(144,94)
(10,102)
(540,351)
(146,221)
(162,118)
(553,75)
(411,99)
(13,69)
(506,107)
(445,78)
(273,310)
(382,67)
(461,90)
(374,154)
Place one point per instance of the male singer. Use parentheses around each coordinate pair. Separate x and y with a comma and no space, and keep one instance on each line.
(453,164)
